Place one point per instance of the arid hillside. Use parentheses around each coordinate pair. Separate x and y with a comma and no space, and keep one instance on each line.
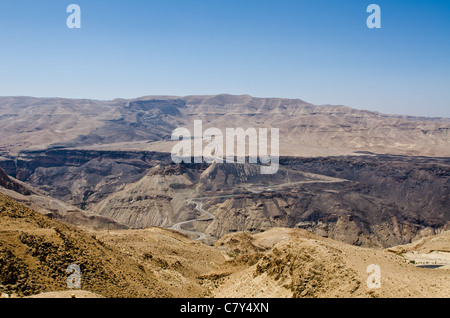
(93,183)
(35,252)
(295,263)
(429,252)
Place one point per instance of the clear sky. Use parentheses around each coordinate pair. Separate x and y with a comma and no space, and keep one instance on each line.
(320,51)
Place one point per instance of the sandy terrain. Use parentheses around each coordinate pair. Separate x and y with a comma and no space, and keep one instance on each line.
(155,262)
(68,294)
(430,251)
(299,264)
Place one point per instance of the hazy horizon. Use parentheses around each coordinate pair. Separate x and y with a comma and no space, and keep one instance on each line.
(180,96)
(319,51)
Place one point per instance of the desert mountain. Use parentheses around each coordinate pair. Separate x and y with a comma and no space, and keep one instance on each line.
(367,201)
(146,124)
(158,199)
(359,177)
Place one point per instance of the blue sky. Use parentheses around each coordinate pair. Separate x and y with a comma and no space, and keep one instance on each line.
(320,51)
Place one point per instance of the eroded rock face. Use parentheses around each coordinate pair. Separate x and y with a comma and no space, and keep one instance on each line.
(362,200)
(417,186)
(158,199)
(52,207)
(385,201)
(82,177)
(7,183)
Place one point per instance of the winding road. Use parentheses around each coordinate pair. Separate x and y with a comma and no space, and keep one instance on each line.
(198,207)
(209,217)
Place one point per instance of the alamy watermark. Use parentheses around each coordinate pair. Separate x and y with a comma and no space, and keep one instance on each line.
(235,140)
(374,279)
(74,280)
(374,20)
(74,19)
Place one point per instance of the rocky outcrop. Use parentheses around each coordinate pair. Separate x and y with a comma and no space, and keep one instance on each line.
(10,184)
(385,201)
(418,187)
(52,207)
(368,200)
(158,199)
(82,177)
(296,263)
(362,200)
(36,251)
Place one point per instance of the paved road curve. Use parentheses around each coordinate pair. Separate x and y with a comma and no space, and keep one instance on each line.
(198,207)
(209,217)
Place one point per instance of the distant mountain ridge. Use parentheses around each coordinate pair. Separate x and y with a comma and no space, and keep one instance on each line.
(146,123)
